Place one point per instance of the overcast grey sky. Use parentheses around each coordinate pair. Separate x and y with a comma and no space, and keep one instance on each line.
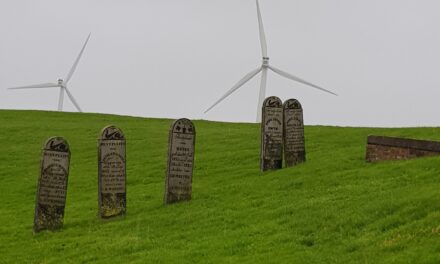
(174,58)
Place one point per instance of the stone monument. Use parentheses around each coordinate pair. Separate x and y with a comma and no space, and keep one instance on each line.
(181,146)
(52,185)
(294,146)
(271,157)
(112,197)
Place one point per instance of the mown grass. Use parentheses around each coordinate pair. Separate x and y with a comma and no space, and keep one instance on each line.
(336,208)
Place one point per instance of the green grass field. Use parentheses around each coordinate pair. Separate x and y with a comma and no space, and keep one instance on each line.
(336,208)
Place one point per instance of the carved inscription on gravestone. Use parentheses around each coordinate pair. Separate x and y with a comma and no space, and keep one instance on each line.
(52,185)
(111,173)
(178,182)
(271,134)
(294,147)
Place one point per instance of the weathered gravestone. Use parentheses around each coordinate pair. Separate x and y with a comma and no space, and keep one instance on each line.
(294,146)
(111,173)
(271,134)
(178,182)
(52,185)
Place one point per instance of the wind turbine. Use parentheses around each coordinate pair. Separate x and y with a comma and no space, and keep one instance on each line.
(263,69)
(62,84)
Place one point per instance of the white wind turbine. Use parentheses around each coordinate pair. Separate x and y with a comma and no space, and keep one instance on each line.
(263,69)
(62,84)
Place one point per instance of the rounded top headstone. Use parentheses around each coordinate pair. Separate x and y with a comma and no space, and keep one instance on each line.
(112,133)
(272,101)
(183,126)
(292,104)
(57,144)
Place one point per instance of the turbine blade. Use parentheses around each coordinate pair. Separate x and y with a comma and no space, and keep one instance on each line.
(61,99)
(73,100)
(262,35)
(240,83)
(262,94)
(41,85)
(290,76)
(72,70)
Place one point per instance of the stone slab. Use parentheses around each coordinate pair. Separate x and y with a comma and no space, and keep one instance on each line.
(294,142)
(271,155)
(52,185)
(181,149)
(380,148)
(112,196)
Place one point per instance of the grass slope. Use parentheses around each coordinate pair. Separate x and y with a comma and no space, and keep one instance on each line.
(336,208)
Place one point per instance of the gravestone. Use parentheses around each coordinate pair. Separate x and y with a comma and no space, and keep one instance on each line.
(181,146)
(294,146)
(271,157)
(52,185)
(111,173)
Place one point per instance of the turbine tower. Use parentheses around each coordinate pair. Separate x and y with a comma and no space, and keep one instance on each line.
(263,69)
(62,84)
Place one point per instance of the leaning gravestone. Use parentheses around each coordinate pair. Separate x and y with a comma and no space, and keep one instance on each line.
(181,145)
(294,147)
(111,173)
(271,134)
(52,185)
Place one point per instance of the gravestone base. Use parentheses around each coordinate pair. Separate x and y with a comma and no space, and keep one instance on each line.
(272,164)
(112,205)
(295,158)
(48,217)
(177,197)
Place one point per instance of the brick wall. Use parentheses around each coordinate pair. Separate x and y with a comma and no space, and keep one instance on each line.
(391,148)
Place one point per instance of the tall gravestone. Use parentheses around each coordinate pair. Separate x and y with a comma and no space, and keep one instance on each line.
(294,146)
(112,198)
(181,146)
(271,134)
(52,185)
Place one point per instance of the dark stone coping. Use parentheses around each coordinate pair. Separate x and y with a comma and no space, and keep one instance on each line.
(427,145)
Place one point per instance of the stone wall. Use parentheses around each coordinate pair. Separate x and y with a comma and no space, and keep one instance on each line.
(391,148)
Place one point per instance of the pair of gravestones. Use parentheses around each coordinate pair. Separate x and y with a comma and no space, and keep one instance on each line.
(112,167)
(52,182)
(282,127)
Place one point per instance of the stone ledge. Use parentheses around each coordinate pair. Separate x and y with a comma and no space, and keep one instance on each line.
(381,148)
(427,145)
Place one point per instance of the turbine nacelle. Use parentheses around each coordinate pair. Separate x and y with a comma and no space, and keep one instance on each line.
(60,82)
(265,62)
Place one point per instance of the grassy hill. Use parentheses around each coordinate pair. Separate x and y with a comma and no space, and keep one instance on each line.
(336,208)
